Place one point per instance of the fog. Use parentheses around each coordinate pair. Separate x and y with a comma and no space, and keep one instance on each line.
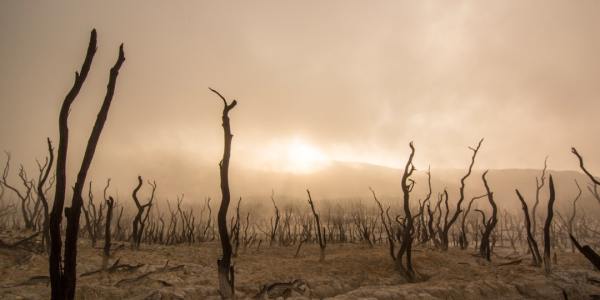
(317,83)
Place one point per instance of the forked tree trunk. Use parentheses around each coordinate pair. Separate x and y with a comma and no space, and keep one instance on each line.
(485,249)
(63,278)
(448,224)
(225,268)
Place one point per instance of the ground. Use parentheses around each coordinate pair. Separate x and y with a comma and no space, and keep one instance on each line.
(350,271)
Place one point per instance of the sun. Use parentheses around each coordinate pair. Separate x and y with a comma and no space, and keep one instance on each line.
(302,157)
(291,155)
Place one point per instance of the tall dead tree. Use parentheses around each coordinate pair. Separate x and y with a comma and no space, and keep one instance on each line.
(63,276)
(405,251)
(587,251)
(139,221)
(533,246)
(225,268)
(485,249)
(547,225)
(448,224)
(320,235)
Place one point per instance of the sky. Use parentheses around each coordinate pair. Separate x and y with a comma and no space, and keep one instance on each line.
(315,81)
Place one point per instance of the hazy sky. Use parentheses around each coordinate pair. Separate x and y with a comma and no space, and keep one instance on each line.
(319,80)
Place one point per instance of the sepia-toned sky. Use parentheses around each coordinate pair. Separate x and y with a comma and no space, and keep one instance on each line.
(320,80)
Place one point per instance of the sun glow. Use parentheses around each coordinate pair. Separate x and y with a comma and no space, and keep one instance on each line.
(294,155)
(303,157)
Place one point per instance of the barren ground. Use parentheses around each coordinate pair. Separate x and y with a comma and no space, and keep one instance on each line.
(351,271)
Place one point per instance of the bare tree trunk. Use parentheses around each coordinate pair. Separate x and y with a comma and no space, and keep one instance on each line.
(277,218)
(539,184)
(139,221)
(533,246)
(110,202)
(225,268)
(321,236)
(547,241)
(407,185)
(573,214)
(448,224)
(485,249)
(42,194)
(63,282)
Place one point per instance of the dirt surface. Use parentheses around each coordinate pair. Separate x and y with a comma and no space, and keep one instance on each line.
(351,271)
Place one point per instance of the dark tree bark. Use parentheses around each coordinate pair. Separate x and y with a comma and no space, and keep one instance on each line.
(533,246)
(547,225)
(574,213)
(588,252)
(448,224)
(55,266)
(139,221)
(275,225)
(225,268)
(407,185)
(110,204)
(63,280)
(593,178)
(485,249)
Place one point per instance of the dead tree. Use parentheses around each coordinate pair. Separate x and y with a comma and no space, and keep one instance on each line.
(424,231)
(489,225)
(235,229)
(593,187)
(63,277)
(139,221)
(110,204)
(550,214)
(463,241)
(41,191)
(540,182)
(405,250)
(93,217)
(274,225)
(320,236)
(533,246)
(587,251)
(24,196)
(225,268)
(387,225)
(593,178)
(574,213)
(448,224)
